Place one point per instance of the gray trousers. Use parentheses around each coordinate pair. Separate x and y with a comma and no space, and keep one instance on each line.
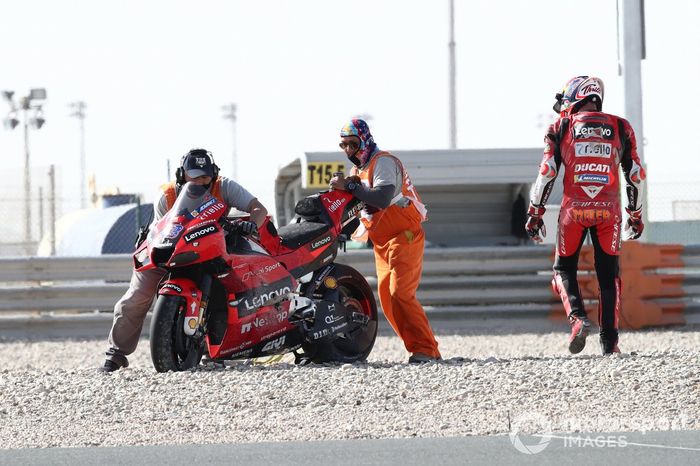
(130,311)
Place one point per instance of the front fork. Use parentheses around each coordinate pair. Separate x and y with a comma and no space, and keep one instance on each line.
(195,323)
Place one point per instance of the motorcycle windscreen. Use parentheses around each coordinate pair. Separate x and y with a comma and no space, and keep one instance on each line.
(192,198)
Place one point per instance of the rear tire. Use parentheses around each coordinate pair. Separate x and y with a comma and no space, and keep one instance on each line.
(171,349)
(357,343)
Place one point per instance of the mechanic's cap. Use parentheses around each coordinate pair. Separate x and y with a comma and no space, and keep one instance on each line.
(198,162)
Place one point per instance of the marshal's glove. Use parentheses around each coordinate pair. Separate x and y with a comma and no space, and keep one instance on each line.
(242,227)
(535,224)
(634,226)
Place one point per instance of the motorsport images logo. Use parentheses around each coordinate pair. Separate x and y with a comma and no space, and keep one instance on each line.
(531,422)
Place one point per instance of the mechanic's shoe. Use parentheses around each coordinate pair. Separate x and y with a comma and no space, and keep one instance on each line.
(115,361)
(608,346)
(580,328)
(421,358)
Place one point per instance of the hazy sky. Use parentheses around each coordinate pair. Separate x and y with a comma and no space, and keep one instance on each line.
(154,75)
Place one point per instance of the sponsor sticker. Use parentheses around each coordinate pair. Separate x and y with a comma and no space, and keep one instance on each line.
(334,205)
(591,191)
(590,130)
(201,233)
(274,344)
(592,167)
(207,204)
(261,271)
(175,230)
(593,149)
(592,204)
(591,178)
(213,209)
(591,215)
(321,242)
(172,286)
(253,302)
(275,317)
(331,318)
(331,283)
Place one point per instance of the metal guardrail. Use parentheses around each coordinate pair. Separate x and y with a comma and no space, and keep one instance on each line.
(456,281)
(451,276)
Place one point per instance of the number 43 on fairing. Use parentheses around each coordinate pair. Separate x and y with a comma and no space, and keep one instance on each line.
(319,174)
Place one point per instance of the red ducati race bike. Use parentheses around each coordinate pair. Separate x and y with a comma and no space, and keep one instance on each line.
(237,297)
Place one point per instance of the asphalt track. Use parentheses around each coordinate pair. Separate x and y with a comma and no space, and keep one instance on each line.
(626,448)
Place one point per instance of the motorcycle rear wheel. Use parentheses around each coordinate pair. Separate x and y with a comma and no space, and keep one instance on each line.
(171,349)
(356,344)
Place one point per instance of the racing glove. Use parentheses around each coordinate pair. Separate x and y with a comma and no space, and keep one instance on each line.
(535,225)
(243,227)
(634,226)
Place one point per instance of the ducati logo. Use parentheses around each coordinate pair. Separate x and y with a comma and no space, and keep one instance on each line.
(592,191)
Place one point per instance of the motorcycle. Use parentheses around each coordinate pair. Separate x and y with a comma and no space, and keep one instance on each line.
(235,296)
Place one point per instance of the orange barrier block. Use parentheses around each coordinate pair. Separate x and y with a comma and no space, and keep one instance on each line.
(645,256)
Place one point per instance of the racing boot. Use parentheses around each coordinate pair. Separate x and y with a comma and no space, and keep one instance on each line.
(580,328)
(608,342)
(422,358)
(115,361)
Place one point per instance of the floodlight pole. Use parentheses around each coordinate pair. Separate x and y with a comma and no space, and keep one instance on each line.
(453,80)
(230,114)
(79,113)
(37,120)
(27,180)
(631,42)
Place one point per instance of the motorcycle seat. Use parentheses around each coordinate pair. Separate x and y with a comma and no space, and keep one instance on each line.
(296,234)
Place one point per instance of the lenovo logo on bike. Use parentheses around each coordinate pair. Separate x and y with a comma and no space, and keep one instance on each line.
(201,233)
(262,299)
(172,286)
(588,130)
(321,242)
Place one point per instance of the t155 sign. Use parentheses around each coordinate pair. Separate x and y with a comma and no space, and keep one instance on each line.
(319,174)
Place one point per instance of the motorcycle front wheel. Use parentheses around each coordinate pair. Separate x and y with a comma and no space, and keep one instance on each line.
(171,349)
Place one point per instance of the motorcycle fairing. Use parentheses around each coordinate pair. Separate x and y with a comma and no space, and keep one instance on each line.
(276,344)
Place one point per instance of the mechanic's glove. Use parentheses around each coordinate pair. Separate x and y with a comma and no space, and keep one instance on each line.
(634,226)
(535,224)
(242,227)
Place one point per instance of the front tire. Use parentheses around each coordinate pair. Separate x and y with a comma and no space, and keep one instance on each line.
(171,349)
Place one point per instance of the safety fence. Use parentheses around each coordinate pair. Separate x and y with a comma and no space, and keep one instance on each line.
(661,283)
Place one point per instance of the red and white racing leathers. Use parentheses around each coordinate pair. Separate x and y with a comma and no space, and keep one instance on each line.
(591,146)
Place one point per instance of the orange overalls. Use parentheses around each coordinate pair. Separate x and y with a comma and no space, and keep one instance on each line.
(398,239)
